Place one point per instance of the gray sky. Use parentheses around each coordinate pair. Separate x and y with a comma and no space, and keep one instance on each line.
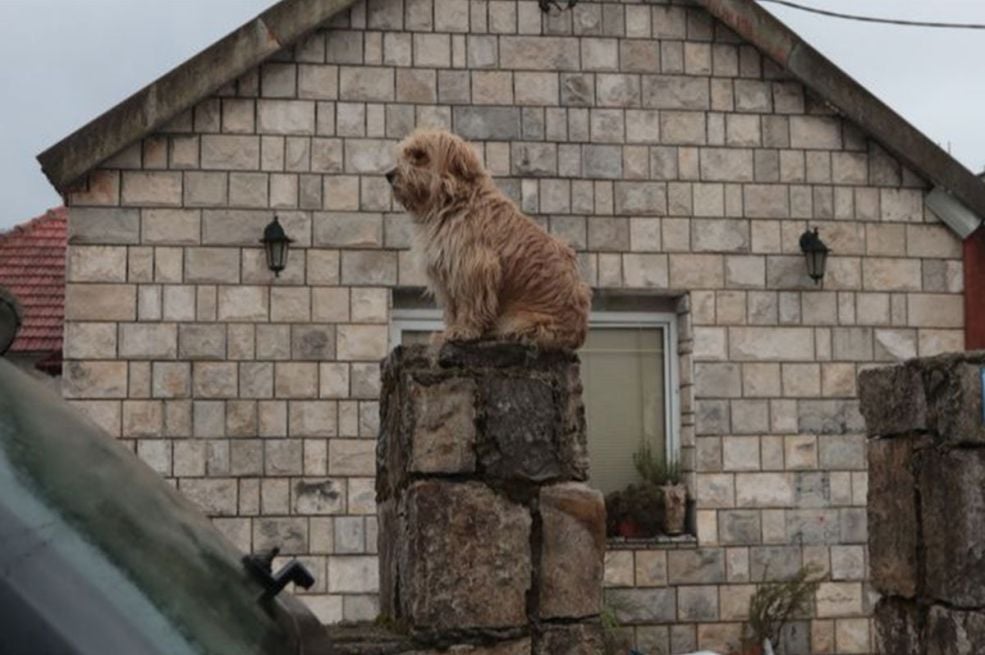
(63,62)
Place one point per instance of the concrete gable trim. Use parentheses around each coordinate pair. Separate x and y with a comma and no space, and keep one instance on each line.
(182,88)
(760,28)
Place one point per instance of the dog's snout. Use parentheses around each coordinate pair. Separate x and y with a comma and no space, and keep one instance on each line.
(390,175)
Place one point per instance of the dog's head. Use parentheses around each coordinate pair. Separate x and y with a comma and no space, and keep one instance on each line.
(434,170)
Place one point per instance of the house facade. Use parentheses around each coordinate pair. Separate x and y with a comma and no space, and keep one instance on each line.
(675,145)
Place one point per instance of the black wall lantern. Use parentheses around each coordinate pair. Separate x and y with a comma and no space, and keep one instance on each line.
(277,244)
(816,254)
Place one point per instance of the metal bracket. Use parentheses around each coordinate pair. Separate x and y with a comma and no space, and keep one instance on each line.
(260,566)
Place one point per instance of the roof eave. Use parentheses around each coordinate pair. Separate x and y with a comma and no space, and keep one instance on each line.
(182,88)
(853,100)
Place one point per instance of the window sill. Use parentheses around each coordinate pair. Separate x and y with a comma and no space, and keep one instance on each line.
(662,542)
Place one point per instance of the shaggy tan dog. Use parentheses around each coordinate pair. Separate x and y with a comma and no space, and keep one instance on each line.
(494,272)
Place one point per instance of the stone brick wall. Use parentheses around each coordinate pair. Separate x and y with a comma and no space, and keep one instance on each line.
(675,158)
(926,426)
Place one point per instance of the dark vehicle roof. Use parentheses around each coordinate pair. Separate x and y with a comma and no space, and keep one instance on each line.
(100,555)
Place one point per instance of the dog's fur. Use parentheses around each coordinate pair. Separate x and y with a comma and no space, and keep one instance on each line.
(494,272)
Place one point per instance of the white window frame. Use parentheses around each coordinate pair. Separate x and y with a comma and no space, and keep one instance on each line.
(429,320)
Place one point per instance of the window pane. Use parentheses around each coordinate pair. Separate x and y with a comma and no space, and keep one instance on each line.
(623,376)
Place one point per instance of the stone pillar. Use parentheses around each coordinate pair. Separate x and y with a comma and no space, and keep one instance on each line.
(490,540)
(927,503)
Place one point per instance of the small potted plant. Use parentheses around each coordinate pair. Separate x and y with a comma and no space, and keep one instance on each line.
(772,606)
(665,476)
(633,512)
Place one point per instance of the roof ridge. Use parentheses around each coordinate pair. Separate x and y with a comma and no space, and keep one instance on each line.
(54,214)
(183,87)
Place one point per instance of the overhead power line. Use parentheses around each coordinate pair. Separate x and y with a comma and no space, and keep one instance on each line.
(873,19)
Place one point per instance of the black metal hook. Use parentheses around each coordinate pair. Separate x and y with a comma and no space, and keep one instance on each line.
(260,566)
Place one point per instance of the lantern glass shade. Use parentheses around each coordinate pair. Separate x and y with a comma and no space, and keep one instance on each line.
(815,253)
(277,245)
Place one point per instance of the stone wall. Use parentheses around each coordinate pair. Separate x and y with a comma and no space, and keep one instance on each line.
(927,503)
(676,159)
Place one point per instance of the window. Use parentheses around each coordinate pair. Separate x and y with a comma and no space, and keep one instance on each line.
(629,374)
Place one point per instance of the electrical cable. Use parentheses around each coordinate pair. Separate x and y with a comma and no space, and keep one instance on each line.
(873,19)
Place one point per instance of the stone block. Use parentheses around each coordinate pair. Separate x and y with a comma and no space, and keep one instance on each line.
(573,639)
(766,201)
(726,164)
(952,631)
(713,380)
(243,303)
(525,436)
(954,399)
(442,438)
(764,490)
(318,496)
(536,89)
(815,132)
(449,575)
(534,159)
(351,457)
(676,92)
(641,198)
(572,551)
(487,123)
(778,344)
(618,568)
(898,627)
(839,599)
(90,225)
(538,52)
(97,263)
(148,341)
(952,513)
(720,235)
(214,380)
(699,566)
(228,152)
(697,603)
(100,302)
(614,90)
(151,189)
(296,380)
(212,265)
(643,606)
(361,342)
(375,268)
(739,527)
(829,417)
(312,342)
(202,341)
(603,161)
(214,497)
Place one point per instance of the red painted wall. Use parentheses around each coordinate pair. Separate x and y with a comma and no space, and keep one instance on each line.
(974,290)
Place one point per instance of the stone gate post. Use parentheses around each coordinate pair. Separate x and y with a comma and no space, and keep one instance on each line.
(489,537)
(927,503)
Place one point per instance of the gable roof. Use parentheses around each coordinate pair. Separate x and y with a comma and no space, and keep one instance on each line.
(286,22)
(32,267)
(182,88)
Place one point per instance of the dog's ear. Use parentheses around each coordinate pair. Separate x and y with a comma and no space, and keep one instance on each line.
(464,163)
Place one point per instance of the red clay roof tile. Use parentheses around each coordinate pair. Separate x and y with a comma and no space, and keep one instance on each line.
(32,267)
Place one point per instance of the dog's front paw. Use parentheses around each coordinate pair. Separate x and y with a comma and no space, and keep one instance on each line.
(459,334)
